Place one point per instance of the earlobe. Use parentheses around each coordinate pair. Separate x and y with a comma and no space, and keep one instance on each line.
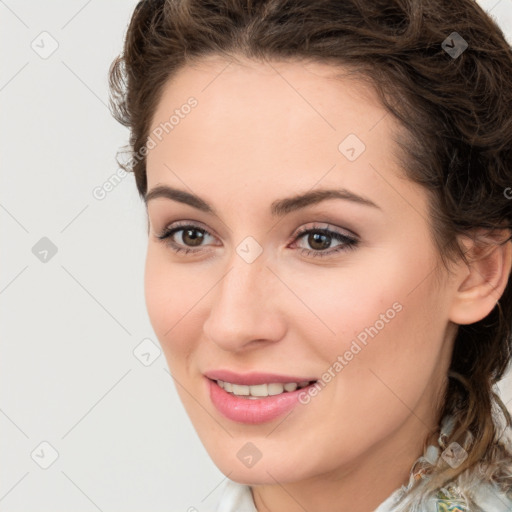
(483,280)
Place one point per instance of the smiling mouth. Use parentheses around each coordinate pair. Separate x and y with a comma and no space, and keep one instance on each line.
(260,391)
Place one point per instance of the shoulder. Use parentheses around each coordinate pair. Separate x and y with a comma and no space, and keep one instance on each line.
(235,497)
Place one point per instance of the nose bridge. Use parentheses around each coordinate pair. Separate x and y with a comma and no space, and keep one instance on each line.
(242,291)
(244,282)
(243,304)
(248,275)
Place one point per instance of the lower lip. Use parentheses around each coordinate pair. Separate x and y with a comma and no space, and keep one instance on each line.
(245,410)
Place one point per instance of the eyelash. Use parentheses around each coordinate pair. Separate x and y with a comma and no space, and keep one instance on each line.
(349,242)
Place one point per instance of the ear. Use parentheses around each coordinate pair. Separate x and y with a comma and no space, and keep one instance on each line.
(481,282)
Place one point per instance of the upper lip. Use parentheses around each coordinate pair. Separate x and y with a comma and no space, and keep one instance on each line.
(254,378)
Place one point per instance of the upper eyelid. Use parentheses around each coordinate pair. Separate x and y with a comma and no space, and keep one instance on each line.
(327,227)
(183,224)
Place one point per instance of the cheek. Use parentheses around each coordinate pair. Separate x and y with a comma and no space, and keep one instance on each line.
(157,293)
(391,335)
(384,315)
(169,297)
(345,303)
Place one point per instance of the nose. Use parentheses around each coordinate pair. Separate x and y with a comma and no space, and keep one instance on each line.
(246,307)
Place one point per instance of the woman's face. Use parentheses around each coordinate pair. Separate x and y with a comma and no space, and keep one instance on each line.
(362,314)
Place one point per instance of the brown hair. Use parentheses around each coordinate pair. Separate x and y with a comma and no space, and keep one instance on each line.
(457,119)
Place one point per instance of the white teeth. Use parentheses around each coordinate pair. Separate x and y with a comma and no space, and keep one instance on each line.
(275,389)
(261,390)
(239,389)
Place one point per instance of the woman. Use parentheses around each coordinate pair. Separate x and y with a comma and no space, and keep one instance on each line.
(328,194)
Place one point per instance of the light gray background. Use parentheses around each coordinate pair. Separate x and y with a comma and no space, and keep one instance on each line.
(69,376)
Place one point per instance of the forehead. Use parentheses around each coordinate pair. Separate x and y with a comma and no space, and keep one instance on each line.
(286,90)
(287,122)
(254,107)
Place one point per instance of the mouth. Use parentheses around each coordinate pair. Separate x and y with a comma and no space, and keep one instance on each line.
(256,403)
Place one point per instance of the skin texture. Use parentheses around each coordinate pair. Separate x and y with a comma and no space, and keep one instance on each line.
(261,132)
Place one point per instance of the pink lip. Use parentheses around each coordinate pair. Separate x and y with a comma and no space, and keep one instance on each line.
(245,410)
(254,378)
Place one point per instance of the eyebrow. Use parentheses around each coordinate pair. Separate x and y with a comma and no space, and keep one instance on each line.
(278,208)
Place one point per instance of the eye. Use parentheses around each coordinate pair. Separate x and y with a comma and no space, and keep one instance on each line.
(319,238)
(191,233)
